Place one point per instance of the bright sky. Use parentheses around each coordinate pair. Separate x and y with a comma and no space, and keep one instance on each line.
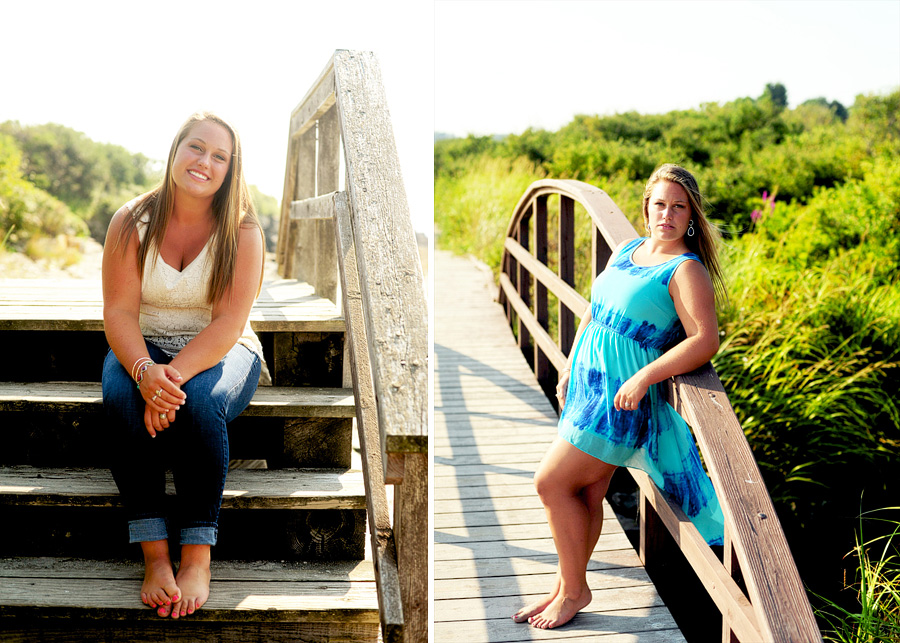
(130,73)
(504,66)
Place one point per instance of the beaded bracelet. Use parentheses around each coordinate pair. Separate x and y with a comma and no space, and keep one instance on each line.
(141,371)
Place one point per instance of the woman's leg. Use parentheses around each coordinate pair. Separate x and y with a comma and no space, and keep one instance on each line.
(571,485)
(592,495)
(215,397)
(137,462)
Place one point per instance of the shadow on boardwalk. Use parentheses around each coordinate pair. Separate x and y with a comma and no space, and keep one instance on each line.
(493,548)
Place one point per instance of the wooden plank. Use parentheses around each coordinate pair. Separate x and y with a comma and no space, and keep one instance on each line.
(562,290)
(319,207)
(470,609)
(268,401)
(318,100)
(151,629)
(228,600)
(244,488)
(566,317)
(644,624)
(531,584)
(528,547)
(470,506)
(390,272)
(222,570)
(77,305)
(370,437)
(510,530)
(327,279)
(300,243)
(724,591)
(773,582)
(287,195)
(514,568)
(542,338)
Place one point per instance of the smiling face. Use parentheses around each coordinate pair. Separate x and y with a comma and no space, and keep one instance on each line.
(202,159)
(668,211)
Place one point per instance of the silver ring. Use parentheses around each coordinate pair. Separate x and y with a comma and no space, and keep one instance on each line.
(163,416)
(158,392)
(153,399)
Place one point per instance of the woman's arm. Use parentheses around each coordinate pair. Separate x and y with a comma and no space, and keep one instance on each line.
(230,313)
(121,319)
(694,298)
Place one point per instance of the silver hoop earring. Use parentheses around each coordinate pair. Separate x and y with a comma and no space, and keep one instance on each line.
(690,230)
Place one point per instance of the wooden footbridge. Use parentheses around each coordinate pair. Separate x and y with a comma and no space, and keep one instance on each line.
(496,360)
(344,332)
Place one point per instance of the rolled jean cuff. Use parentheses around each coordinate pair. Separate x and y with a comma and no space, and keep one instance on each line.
(147,529)
(199,535)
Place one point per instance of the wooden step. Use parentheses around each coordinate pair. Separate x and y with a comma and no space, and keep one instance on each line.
(60,423)
(87,397)
(77,304)
(64,599)
(304,514)
(53,330)
(244,488)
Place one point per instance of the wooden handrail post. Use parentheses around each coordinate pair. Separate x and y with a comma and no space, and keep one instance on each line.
(600,252)
(566,269)
(325,267)
(524,284)
(541,312)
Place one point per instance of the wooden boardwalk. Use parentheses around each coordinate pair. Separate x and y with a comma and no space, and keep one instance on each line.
(493,551)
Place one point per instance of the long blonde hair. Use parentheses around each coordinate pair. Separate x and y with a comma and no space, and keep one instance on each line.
(232,208)
(705,241)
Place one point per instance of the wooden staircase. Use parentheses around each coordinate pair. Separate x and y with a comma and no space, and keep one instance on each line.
(345,337)
(290,563)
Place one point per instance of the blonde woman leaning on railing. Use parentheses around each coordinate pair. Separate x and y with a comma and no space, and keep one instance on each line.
(652,316)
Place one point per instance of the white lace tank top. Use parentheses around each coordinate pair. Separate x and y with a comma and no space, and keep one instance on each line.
(174,308)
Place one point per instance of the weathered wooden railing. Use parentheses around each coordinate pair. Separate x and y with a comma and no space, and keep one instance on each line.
(775,606)
(357,246)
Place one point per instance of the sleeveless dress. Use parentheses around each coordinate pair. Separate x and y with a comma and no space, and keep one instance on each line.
(633,321)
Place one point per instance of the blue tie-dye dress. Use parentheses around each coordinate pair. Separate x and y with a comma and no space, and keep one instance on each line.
(633,321)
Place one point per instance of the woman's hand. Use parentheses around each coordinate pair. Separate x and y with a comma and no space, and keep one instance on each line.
(629,396)
(161,389)
(562,387)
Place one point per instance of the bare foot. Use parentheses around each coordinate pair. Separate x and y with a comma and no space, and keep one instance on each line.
(160,589)
(561,610)
(193,579)
(537,606)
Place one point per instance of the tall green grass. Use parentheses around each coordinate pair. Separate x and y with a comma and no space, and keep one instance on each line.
(472,210)
(874,612)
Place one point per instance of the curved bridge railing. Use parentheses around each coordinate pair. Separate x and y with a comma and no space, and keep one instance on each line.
(774,605)
(357,247)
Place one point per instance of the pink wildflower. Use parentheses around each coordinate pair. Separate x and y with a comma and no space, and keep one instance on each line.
(755,215)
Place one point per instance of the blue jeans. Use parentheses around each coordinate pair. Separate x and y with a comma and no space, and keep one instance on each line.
(195,445)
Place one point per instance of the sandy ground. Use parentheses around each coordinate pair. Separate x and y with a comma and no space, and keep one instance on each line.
(17,265)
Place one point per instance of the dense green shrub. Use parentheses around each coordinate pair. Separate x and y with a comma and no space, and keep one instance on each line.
(26,210)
